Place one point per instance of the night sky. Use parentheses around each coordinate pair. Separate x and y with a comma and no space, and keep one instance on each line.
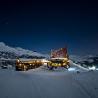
(42,25)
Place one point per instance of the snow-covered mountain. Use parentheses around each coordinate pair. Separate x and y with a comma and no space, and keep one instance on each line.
(85,61)
(11,52)
(76,58)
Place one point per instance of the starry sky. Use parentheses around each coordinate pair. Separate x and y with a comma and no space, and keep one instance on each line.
(44,25)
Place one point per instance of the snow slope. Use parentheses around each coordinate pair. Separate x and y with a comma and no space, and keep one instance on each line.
(85,61)
(50,84)
(18,51)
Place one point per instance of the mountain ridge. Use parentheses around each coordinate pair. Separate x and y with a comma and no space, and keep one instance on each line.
(13,52)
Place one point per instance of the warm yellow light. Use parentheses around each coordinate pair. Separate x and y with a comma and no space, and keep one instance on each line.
(37,61)
(20,64)
(59,64)
(64,63)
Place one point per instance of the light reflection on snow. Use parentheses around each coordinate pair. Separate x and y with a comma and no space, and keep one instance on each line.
(72,69)
(92,68)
